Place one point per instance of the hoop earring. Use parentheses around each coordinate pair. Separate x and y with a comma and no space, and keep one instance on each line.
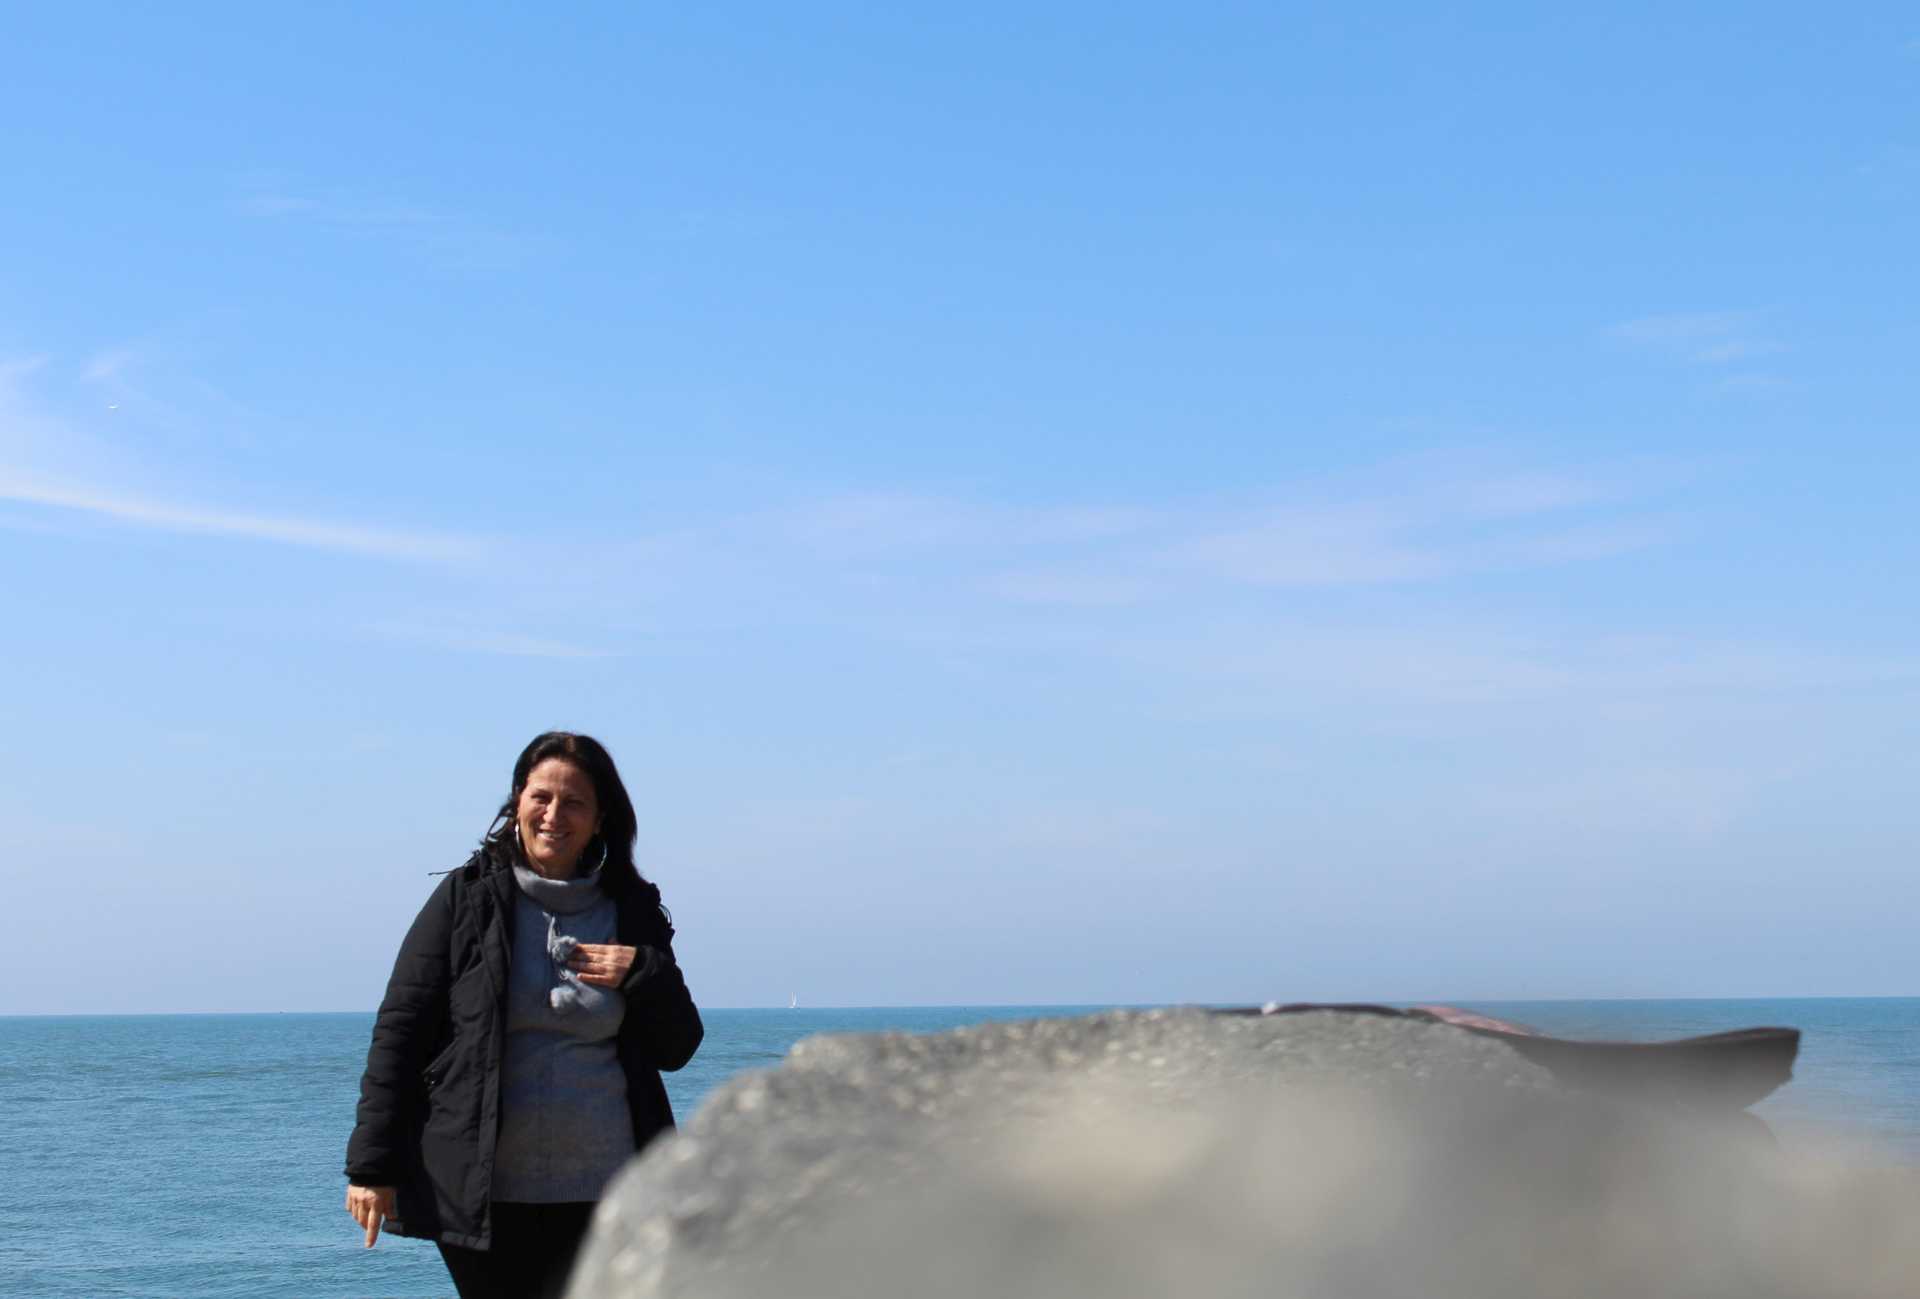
(603,854)
(518,847)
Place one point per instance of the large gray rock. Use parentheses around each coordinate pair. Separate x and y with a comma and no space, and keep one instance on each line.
(1178,1153)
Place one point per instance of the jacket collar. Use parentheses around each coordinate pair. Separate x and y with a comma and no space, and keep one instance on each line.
(626,888)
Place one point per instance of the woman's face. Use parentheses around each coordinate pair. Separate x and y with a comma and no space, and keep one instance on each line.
(558,813)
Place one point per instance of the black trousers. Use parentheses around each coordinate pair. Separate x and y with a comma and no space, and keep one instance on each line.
(533,1249)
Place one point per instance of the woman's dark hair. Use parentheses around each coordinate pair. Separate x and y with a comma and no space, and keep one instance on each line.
(618,824)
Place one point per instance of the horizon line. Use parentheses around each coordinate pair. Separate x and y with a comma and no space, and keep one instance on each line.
(1034,1005)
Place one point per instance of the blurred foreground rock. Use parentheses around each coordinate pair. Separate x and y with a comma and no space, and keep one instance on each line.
(1178,1153)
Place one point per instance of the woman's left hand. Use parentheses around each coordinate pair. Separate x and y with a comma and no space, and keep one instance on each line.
(602,964)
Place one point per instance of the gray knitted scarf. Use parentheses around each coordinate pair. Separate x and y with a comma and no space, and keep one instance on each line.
(558,898)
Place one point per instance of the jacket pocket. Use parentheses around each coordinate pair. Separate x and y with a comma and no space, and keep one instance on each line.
(437,1069)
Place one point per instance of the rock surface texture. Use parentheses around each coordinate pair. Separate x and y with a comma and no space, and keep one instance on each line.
(1178,1153)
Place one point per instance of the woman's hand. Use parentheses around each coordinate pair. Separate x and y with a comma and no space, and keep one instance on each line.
(370,1205)
(602,964)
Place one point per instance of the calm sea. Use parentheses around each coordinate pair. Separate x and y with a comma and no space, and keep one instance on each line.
(199,1155)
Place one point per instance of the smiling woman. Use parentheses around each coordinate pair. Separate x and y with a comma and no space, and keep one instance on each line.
(516,1058)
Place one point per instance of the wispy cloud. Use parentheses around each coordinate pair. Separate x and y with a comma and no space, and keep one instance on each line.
(1751,383)
(155,379)
(109,365)
(1701,337)
(164,516)
(477,640)
(1039,586)
(1516,494)
(15,368)
(1310,546)
(1422,672)
(1447,527)
(1737,349)
(890,521)
(341,209)
(455,238)
(273,205)
(34,436)
(1682,328)
(55,463)
(879,551)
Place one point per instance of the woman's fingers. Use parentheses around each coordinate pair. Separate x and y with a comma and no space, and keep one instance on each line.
(369,1205)
(601,964)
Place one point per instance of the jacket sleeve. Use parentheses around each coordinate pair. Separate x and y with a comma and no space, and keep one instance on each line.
(411,1021)
(669,1023)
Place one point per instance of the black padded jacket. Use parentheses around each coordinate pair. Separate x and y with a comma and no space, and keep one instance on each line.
(430,1098)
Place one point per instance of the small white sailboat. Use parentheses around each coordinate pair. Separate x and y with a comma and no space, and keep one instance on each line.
(793,1002)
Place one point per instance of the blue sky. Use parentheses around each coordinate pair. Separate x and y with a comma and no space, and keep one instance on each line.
(1109,504)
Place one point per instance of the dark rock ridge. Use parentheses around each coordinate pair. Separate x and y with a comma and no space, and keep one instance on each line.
(1161,1153)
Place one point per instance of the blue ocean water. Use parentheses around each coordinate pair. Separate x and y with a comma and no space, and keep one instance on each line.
(199,1155)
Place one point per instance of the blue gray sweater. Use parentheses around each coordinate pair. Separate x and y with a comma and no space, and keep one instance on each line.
(564,1124)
